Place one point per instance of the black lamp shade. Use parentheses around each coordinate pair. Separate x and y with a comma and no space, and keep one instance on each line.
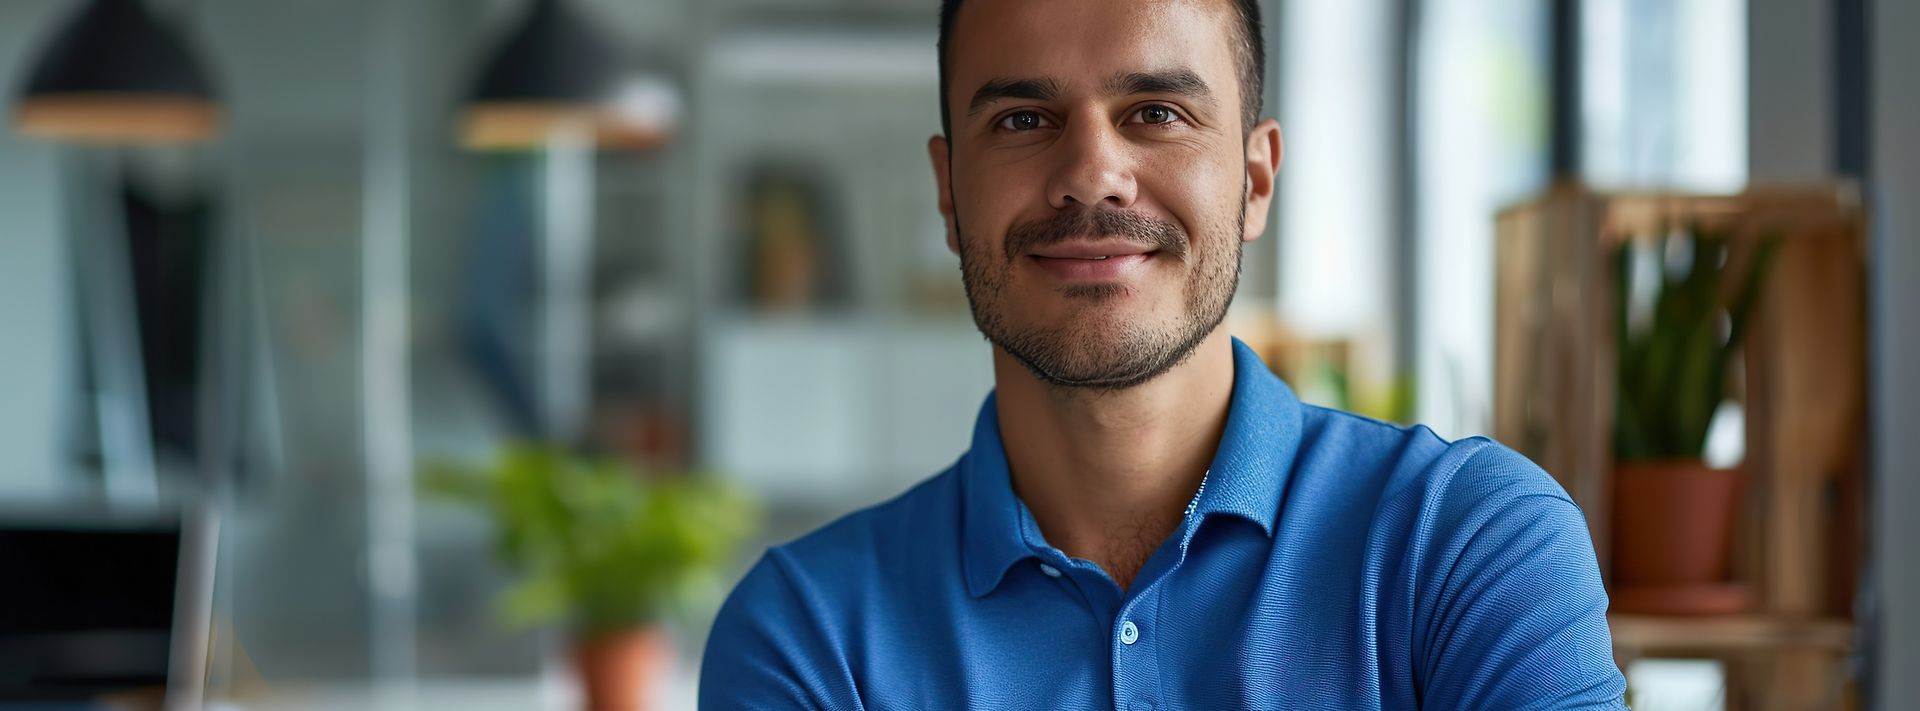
(552,69)
(114,73)
(550,57)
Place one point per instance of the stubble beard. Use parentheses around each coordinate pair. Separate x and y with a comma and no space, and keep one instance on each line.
(1104,351)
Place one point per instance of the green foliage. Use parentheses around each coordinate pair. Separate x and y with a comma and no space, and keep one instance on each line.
(1673,363)
(596,543)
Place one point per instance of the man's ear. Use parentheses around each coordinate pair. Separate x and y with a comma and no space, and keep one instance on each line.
(1264,151)
(939,153)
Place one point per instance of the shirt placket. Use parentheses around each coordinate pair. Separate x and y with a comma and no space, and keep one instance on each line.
(1136,634)
(1134,639)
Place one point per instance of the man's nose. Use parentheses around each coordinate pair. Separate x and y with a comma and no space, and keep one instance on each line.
(1095,168)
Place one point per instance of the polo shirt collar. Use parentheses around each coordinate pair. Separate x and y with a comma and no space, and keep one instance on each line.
(1246,479)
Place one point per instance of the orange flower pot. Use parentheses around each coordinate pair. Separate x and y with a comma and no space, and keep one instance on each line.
(1673,523)
(621,671)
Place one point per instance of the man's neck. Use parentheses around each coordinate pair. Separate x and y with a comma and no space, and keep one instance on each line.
(1108,474)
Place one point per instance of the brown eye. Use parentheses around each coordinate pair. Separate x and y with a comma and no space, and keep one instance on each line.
(1023,121)
(1157,115)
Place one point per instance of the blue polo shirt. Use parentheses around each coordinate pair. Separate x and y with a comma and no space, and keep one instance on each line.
(1327,561)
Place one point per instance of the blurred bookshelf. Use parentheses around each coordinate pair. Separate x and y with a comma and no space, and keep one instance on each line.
(1798,534)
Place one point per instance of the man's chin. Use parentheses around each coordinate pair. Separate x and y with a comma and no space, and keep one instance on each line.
(1106,374)
(1088,355)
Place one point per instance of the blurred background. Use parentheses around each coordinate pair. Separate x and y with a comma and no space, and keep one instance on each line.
(301,302)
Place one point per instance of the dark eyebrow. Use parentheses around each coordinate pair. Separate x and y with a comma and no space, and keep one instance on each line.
(1008,88)
(1178,82)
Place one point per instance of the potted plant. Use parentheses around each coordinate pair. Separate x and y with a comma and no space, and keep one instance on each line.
(605,549)
(1681,323)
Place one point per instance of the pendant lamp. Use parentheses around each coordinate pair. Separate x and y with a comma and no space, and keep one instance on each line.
(115,74)
(552,72)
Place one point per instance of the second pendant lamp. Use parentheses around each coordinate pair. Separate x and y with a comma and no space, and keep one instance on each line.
(553,70)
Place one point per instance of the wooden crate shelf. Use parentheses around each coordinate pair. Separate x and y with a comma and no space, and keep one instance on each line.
(1800,536)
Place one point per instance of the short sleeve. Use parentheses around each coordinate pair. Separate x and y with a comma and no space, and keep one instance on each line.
(768,650)
(1512,612)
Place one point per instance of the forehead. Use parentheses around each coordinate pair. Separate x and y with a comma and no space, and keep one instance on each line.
(1083,42)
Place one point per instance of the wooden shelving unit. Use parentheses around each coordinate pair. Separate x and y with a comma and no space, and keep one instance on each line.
(1800,534)
(1636,636)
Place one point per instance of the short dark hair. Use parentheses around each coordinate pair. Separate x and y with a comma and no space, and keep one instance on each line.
(1251,48)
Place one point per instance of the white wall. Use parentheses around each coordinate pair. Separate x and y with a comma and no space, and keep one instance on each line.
(1896,350)
(36,340)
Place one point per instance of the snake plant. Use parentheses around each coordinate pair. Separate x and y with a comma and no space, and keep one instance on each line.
(1674,353)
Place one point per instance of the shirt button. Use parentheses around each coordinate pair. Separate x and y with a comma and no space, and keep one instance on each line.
(1129,633)
(1051,571)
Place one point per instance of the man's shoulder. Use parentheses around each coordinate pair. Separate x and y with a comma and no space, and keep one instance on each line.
(902,529)
(1470,537)
(800,611)
(1414,468)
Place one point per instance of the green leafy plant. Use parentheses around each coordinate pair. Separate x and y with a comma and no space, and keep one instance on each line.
(596,543)
(1674,355)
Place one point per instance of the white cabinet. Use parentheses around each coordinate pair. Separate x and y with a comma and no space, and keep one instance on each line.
(818,413)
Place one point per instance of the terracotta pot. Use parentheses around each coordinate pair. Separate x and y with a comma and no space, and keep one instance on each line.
(621,671)
(1673,524)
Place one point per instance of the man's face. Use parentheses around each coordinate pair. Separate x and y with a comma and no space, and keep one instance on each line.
(1100,182)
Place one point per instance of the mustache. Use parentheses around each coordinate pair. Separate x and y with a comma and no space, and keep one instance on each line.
(1159,234)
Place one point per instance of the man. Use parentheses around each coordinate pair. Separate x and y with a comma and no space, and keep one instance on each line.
(1147,518)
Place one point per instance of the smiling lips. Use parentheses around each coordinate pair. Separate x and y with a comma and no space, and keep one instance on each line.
(1105,260)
